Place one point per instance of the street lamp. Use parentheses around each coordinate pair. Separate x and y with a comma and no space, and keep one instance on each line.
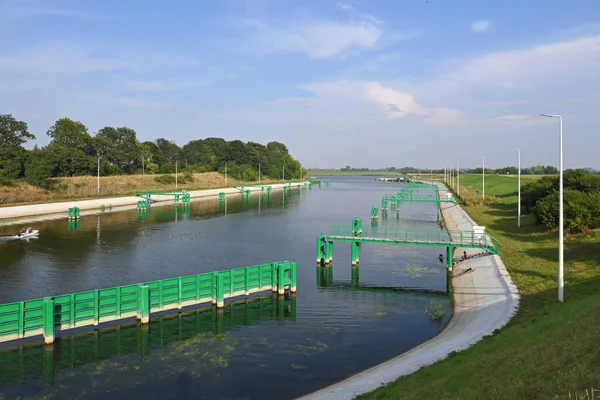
(458,178)
(99,174)
(560,208)
(483,177)
(519,202)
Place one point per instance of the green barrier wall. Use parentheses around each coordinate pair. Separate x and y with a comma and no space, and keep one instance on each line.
(59,313)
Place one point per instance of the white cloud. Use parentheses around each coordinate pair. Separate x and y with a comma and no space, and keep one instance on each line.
(480,26)
(317,39)
(345,6)
(528,66)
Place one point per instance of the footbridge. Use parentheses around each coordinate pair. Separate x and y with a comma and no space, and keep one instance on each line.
(450,239)
(178,195)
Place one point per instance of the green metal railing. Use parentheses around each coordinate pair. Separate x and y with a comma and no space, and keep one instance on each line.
(443,237)
(59,313)
(78,350)
(176,194)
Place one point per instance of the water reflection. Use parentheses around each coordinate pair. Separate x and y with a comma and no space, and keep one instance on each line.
(340,328)
(40,362)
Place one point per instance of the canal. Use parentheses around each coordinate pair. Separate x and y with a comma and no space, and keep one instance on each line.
(341,320)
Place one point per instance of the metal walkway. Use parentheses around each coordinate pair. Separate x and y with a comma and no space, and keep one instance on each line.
(354,234)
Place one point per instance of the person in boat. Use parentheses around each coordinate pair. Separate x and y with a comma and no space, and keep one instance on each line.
(29,230)
(21,232)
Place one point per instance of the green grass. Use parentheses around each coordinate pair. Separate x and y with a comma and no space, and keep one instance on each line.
(549,349)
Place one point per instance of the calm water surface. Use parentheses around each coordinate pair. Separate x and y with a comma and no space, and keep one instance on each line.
(341,321)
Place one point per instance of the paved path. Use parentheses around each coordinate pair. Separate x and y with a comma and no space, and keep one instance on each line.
(36,212)
(484,300)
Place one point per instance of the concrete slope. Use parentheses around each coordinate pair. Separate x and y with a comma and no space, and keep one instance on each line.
(484,300)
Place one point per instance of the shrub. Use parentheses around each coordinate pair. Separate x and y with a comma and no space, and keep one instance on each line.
(6,181)
(535,191)
(187,177)
(38,171)
(165,179)
(581,211)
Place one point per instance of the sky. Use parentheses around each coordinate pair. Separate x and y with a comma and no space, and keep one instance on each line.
(378,83)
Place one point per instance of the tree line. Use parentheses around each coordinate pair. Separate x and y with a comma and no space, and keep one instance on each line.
(581,200)
(533,170)
(73,151)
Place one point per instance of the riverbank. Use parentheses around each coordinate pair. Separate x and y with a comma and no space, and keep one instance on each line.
(484,300)
(36,212)
(549,350)
(86,187)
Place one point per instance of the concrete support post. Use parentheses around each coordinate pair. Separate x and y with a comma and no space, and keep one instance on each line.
(449,252)
(48,321)
(293,276)
(144,304)
(274,277)
(321,244)
(355,252)
(281,270)
(220,290)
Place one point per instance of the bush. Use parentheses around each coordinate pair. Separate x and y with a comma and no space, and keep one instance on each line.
(535,191)
(6,181)
(187,177)
(165,179)
(37,171)
(581,211)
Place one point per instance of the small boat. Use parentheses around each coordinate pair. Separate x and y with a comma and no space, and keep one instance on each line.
(32,233)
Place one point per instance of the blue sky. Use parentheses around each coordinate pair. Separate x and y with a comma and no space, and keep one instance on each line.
(361,83)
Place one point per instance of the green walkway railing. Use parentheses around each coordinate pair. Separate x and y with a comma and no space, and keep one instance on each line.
(59,313)
(416,236)
(78,350)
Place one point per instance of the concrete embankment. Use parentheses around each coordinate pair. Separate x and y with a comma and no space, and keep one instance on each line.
(484,300)
(37,212)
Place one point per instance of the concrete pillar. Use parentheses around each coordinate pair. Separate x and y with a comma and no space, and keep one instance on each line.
(48,327)
(144,304)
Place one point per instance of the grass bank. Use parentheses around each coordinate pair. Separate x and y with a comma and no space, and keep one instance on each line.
(549,350)
(86,187)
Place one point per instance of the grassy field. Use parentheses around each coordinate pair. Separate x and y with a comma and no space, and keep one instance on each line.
(86,187)
(549,350)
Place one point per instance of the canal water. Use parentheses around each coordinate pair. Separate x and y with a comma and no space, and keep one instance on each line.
(341,320)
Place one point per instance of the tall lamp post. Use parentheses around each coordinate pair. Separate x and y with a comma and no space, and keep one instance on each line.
(458,178)
(560,208)
(483,177)
(99,174)
(519,189)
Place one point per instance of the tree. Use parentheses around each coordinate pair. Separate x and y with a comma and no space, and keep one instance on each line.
(13,134)
(71,151)
(199,153)
(168,153)
(119,147)
(38,169)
